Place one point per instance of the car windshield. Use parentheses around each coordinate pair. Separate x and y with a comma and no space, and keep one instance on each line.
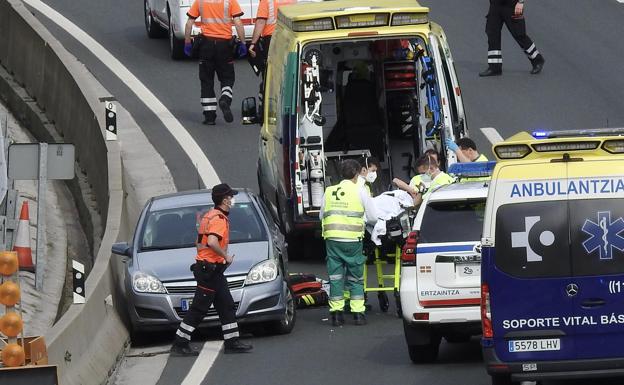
(452,221)
(177,227)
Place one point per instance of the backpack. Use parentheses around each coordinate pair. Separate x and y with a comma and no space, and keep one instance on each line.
(308,290)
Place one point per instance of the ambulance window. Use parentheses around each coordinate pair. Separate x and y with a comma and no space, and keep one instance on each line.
(532,239)
(597,236)
(454,221)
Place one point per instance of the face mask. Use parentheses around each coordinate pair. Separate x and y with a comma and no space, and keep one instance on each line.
(232,202)
(425,178)
(371,176)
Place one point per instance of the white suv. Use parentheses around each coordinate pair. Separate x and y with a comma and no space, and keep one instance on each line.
(441,271)
(168,18)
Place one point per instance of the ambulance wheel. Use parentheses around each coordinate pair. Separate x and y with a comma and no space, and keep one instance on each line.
(422,354)
(501,379)
(384,303)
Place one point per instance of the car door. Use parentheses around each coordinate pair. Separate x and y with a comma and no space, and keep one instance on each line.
(597,252)
(530,267)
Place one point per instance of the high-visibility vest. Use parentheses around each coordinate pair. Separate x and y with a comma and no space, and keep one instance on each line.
(440,180)
(481,158)
(216,17)
(212,222)
(268,9)
(343,214)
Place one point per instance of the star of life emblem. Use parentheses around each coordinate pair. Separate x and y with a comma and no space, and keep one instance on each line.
(604,235)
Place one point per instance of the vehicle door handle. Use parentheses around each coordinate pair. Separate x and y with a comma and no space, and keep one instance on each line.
(593,302)
(264,138)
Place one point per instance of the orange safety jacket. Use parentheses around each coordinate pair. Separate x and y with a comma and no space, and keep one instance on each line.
(215,16)
(214,222)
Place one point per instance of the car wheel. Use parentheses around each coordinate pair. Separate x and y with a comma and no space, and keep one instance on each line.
(153,29)
(175,45)
(501,379)
(457,338)
(287,323)
(422,354)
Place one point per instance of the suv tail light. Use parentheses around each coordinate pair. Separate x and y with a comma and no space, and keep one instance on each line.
(486,314)
(408,253)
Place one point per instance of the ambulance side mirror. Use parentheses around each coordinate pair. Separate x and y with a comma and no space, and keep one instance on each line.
(249,110)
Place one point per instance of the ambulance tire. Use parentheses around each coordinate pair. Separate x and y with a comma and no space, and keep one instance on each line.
(501,379)
(176,45)
(153,29)
(287,323)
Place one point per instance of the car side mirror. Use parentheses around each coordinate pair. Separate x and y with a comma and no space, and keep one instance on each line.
(122,248)
(249,110)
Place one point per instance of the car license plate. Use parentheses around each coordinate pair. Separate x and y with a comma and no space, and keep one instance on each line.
(185,304)
(468,270)
(518,346)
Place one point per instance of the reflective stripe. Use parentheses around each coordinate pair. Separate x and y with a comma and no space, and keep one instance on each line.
(210,20)
(355,279)
(495,52)
(208,100)
(271,19)
(534,55)
(351,214)
(226,88)
(336,304)
(498,61)
(209,108)
(183,335)
(335,277)
(233,325)
(186,327)
(230,335)
(342,227)
(530,49)
(357,297)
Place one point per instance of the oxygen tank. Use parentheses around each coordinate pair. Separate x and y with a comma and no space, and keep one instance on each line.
(317,187)
(305,191)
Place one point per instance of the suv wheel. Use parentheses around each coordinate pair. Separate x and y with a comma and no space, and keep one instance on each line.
(287,323)
(501,379)
(457,338)
(422,354)
(175,45)
(153,29)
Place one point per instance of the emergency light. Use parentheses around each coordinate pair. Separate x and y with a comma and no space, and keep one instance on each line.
(512,151)
(566,146)
(409,18)
(613,146)
(322,24)
(542,134)
(362,20)
(472,170)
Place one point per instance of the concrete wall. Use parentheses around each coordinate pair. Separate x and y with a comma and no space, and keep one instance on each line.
(48,89)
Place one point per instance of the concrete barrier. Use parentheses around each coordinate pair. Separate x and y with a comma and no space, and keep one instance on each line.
(57,99)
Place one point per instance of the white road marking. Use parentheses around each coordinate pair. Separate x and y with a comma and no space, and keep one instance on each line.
(203,363)
(179,133)
(491,134)
(620,1)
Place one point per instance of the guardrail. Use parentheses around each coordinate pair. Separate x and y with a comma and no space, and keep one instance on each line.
(86,342)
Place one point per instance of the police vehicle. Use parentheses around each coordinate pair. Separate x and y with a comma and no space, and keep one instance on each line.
(552,270)
(346,79)
(441,264)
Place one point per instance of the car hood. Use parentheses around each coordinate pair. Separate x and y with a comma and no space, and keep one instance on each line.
(173,265)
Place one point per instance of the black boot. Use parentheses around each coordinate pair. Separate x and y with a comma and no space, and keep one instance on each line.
(235,345)
(359,319)
(337,318)
(224,104)
(491,71)
(209,118)
(183,350)
(538,64)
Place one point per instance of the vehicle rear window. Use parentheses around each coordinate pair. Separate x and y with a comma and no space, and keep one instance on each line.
(452,221)
(177,228)
(532,239)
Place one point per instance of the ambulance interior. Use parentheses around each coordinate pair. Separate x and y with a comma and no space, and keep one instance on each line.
(372,104)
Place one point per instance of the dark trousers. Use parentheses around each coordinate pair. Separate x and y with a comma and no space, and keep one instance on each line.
(212,288)
(503,15)
(215,55)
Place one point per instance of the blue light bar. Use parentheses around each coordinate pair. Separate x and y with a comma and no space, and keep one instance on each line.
(472,169)
(543,134)
(540,134)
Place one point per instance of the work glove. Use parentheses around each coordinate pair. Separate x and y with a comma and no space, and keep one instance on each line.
(241,50)
(188,47)
(451,145)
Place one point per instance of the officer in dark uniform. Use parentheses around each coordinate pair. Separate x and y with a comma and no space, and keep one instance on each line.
(211,261)
(510,13)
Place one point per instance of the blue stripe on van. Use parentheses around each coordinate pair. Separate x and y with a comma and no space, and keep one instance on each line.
(439,249)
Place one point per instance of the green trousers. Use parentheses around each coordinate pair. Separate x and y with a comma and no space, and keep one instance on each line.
(345,261)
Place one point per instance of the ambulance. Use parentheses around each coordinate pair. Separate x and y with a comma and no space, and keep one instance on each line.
(552,268)
(350,79)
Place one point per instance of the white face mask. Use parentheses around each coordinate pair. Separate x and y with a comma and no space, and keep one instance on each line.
(425,178)
(371,176)
(232,202)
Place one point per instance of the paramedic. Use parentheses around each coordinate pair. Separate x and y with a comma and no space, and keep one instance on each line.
(510,13)
(215,52)
(368,172)
(342,213)
(417,184)
(466,150)
(212,287)
(432,175)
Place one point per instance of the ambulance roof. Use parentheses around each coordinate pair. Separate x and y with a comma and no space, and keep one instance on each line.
(460,190)
(314,9)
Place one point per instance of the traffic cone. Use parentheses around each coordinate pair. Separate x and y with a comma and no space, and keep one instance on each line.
(22,240)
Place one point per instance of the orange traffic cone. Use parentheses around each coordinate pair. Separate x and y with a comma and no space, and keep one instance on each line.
(22,240)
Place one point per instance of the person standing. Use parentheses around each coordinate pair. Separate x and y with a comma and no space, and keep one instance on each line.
(215,52)
(211,261)
(342,213)
(511,14)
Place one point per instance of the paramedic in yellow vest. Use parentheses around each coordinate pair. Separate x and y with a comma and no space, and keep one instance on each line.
(342,211)
(417,184)
(368,173)
(466,150)
(433,175)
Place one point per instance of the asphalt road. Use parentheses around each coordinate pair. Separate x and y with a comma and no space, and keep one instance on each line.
(581,86)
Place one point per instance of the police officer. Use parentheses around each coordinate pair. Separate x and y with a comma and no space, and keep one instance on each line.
(342,213)
(215,52)
(211,261)
(266,19)
(510,13)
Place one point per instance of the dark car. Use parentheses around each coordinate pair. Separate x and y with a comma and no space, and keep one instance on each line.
(159,285)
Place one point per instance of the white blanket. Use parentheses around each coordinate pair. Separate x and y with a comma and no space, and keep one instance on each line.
(388,205)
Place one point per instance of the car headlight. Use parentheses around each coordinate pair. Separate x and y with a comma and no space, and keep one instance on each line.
(265,271)
(145,283)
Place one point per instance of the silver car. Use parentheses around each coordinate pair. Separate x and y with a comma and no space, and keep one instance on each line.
(159,285)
